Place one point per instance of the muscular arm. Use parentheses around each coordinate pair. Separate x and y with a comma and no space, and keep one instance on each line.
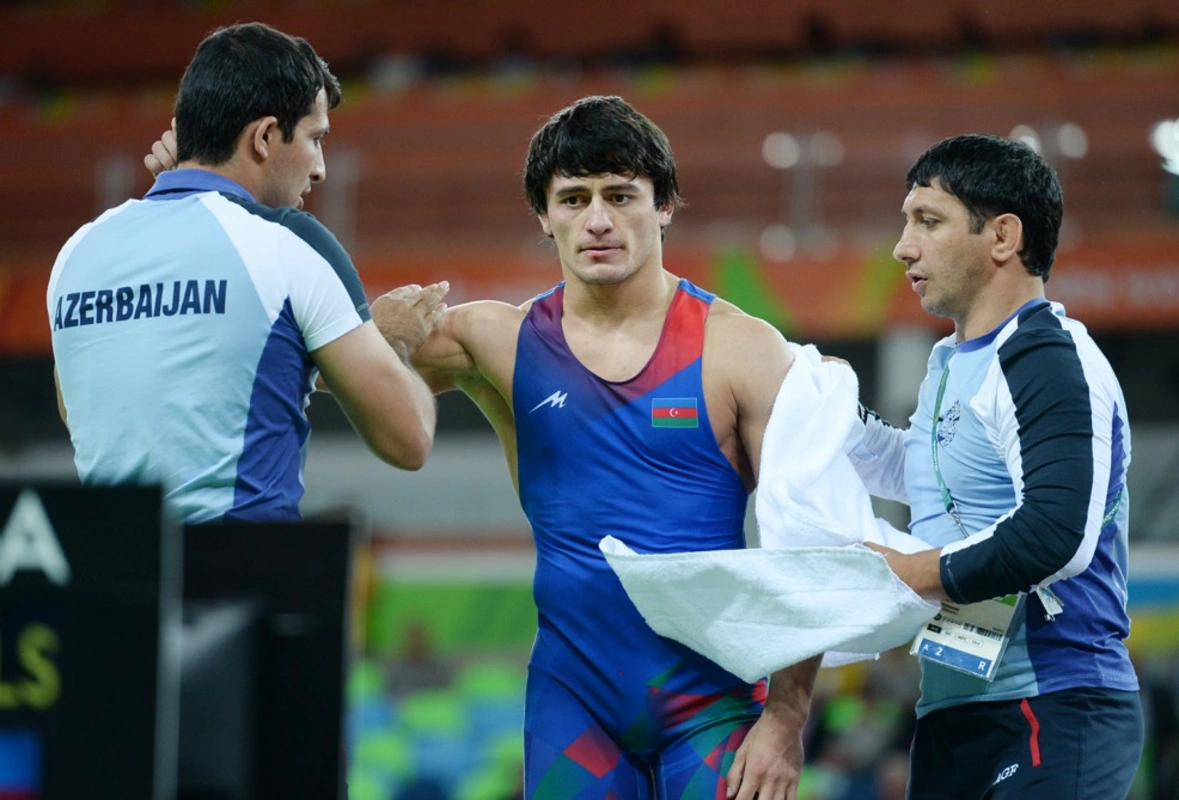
(472,343)
(443,361)
(745,361)
(473,349)
(769,762)
(390,406)
(753,358)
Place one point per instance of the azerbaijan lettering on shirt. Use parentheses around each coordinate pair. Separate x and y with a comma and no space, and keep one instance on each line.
(99,306)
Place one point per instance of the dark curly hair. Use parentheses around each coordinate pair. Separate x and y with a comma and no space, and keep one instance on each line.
(599,136)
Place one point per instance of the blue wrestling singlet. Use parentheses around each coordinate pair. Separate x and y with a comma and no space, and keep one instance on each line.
(614,710)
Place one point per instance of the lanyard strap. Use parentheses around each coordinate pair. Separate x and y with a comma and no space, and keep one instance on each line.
(947,499)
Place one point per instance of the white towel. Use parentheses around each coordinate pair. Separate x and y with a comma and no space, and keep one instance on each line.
(810,589)
(755,612)
(809,494)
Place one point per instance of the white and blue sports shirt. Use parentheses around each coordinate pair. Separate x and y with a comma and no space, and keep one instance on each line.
(182,325)
(1033,446)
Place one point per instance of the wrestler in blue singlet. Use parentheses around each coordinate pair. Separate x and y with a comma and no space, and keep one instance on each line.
(614,710)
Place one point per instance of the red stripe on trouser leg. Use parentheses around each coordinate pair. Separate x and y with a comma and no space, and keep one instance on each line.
(1030,716)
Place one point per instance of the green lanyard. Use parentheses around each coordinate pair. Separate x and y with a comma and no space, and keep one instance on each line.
(947,498)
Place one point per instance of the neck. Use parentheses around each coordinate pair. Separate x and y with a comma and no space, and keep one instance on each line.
(647,292)
(230,169)
(985,316)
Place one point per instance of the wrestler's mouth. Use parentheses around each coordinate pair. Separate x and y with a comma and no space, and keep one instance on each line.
(600,251)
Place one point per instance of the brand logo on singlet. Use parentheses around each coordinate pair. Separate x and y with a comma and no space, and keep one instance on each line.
(555,400)
(948,424)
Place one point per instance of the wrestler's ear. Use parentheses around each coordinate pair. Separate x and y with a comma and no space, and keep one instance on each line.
(665,211)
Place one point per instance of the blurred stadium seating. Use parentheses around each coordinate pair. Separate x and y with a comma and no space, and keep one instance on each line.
(127,42)
(425,175)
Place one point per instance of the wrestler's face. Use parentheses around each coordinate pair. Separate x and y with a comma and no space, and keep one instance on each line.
(606,227)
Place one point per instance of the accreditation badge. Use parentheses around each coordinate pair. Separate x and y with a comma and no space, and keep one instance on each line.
(969,638)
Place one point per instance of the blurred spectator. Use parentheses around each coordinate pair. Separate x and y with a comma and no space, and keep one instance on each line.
(892,776)
(418,666)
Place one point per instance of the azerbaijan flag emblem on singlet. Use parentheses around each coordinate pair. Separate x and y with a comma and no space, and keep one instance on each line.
(674,412)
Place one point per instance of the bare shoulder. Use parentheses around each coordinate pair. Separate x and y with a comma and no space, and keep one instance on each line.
(739,339)
(478,316)
(482,325)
